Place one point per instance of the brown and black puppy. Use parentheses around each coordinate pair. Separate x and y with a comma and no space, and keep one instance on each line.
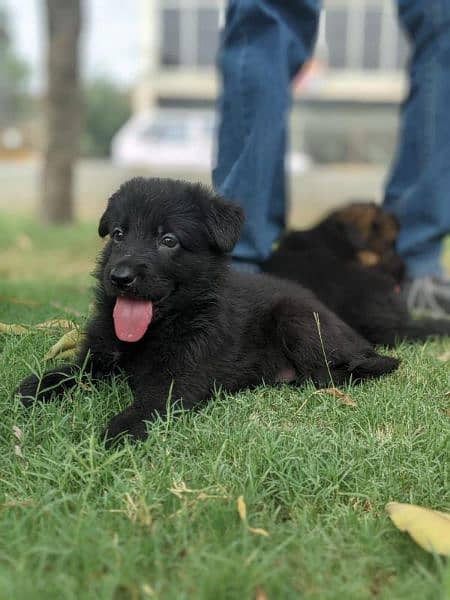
(360,232)
(174,318)
(349,261)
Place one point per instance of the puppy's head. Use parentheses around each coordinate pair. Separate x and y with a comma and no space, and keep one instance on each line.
(372,233)
(167,249)
(369,227)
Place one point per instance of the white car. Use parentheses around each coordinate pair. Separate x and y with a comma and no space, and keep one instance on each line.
(174,138)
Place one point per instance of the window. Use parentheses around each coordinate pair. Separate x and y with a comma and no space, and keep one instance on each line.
(170,38)
(208,36)
(336,28)
(372,38)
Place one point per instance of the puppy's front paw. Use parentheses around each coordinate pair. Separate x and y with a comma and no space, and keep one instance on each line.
(28,390)
(122,425)
(52,384)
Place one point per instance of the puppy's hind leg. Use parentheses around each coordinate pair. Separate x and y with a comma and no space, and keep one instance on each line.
(372,364)
(325,349)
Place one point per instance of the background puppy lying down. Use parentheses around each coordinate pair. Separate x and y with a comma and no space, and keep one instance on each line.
(179,323)
(350,262)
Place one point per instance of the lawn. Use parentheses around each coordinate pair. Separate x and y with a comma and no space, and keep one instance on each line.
(160,519)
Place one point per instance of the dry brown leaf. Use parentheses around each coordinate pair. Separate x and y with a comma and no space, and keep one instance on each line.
(138,511)
(24,242)
(67,355)
(428,528)
(180,488)
(18,433)
(344,398)
(14,503)
(147,590)
(66,346)
(242,508)
(258,531)
(56,324)
(260,593)
(12,329)
(445,356)
(16,329)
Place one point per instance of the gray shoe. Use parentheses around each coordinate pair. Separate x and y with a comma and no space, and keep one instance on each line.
(428,296)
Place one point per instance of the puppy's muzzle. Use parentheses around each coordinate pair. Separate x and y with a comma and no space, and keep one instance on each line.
(122,276)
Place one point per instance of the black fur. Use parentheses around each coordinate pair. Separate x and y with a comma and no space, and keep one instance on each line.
(212,328)
(325,260)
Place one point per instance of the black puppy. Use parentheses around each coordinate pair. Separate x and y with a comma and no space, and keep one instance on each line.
(179,323)
(349,261)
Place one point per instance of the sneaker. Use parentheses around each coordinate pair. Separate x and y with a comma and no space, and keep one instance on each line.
(428,296)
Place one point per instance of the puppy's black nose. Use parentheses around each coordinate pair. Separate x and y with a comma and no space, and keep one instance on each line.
(122,276)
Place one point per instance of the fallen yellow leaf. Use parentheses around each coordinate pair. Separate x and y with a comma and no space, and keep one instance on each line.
(15,329)
(67,355)
(242,508)
(56,324)
(18,433)
(428,528)
(338,394)
(258,531)
(66,346)
(24,242)
(260,593)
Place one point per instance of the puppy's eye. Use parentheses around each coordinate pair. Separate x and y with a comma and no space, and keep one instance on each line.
(117,234)
(169,240)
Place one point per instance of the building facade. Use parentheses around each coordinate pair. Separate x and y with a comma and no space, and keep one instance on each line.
(360,43)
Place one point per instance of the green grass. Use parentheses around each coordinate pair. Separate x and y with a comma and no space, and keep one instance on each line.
(77,521)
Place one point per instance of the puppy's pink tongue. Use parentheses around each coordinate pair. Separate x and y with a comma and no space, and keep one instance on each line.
(132,318)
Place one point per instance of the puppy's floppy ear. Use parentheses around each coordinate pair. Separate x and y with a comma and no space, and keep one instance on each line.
(103,226)
(224,223)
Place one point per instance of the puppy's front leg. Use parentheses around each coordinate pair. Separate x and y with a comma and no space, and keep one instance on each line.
(91,360)
(150,401)
(52,384)
(132,422)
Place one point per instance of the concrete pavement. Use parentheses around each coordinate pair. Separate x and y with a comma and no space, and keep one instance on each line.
(312,193)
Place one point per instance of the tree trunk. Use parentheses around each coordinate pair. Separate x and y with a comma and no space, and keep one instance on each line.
(63,110)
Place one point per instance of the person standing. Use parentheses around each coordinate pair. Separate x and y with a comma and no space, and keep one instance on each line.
(264,45)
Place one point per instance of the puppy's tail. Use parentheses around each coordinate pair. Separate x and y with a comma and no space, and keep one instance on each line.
(422,329)
(372,365)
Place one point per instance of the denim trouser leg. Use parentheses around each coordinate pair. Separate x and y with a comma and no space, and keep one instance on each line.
(418,190)
(264,44)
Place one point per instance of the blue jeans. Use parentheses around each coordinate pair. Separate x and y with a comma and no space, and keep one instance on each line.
(264,44)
